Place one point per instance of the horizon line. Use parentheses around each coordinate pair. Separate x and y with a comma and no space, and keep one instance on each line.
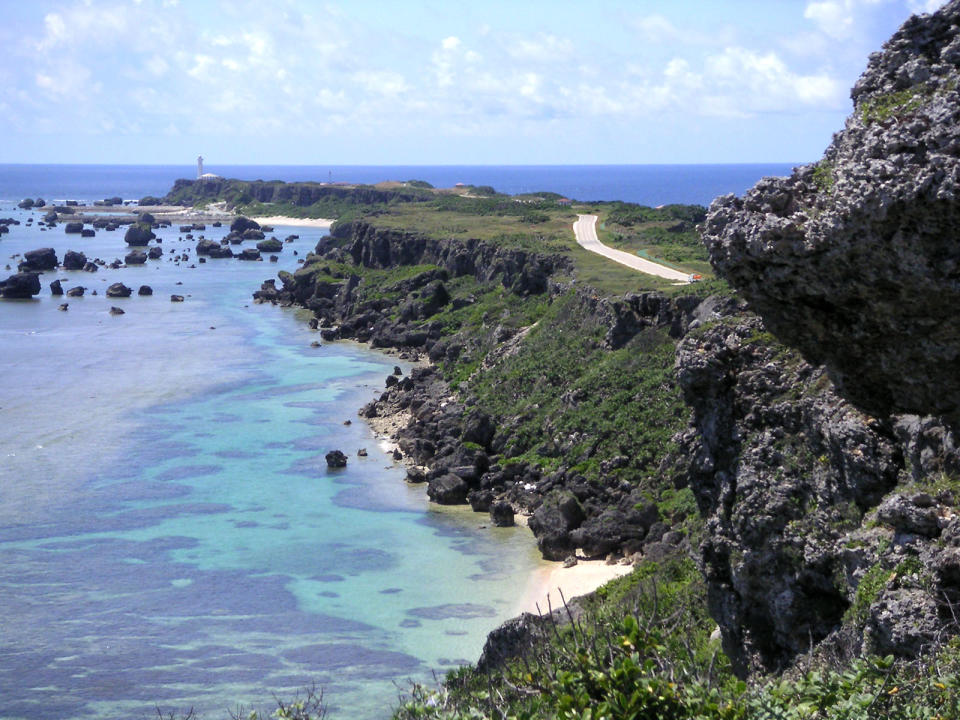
(403,165)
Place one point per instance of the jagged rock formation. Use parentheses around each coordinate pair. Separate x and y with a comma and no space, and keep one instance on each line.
(829,482)
(856,260)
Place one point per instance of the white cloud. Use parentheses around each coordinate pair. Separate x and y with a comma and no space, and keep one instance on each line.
(201,65)
(157,66)
(545,48)
(833,17)
(757,82)
(56,30)
(656,29)
(385,83)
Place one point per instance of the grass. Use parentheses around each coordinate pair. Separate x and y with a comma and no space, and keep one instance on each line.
(880,108)
(508,223)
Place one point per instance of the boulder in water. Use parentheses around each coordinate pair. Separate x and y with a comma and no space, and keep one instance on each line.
(138,235)
(336,459)
(270,245)
(241,224)
(38,260)
(74,260)
(118,290)
(20,286)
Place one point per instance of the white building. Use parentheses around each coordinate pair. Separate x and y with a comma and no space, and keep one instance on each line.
(201,175)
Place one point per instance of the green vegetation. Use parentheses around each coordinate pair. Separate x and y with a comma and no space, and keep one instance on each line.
(871,585)
(301,199)
(537,223)
(881,108)
(667,235)
(542,364)
(571,399)
(643,649)
(824,176)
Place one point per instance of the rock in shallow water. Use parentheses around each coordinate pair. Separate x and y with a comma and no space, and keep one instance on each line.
(118,290)
(20,286)
(336,459)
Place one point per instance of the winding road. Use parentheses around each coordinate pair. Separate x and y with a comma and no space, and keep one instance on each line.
(585,230)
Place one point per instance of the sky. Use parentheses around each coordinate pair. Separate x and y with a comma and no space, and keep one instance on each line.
(433,82)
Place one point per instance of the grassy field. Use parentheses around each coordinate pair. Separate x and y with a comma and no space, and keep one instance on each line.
(547,227)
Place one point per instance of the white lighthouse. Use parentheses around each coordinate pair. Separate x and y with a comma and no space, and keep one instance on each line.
(201,175)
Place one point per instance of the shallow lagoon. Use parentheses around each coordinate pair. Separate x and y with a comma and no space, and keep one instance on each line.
(169,533)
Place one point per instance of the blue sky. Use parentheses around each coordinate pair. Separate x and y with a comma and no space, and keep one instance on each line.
(435,82)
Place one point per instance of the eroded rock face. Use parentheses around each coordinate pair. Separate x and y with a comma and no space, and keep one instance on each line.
(856,260)
(828,476)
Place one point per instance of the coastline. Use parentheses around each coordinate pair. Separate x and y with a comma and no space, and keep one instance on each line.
(181,214)
(292,221)
(553,583)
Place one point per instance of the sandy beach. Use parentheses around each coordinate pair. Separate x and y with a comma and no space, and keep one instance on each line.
(293,222)
(547,583)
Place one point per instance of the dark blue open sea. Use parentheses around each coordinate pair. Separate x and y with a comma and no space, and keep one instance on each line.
(169,534)
(645,184)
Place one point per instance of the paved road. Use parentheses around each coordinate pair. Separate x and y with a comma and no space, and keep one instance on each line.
(585,229)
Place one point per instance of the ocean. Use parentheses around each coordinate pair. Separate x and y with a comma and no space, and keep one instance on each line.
(170,536)
(645,184)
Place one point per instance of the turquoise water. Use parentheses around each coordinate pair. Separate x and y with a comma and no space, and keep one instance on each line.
(170,535)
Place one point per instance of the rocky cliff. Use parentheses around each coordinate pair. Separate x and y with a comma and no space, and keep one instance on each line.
(518,353)
(855,260)
(823,456)
(296,194)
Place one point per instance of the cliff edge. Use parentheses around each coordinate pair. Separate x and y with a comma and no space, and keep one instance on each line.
(855,260)
(822,449)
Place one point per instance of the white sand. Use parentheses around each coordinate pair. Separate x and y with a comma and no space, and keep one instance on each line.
(547,583)
(293,222)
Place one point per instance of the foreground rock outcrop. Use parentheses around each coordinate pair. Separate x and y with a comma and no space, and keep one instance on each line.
(855,260)
(824,456)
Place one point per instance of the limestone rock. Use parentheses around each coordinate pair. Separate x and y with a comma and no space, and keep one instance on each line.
(39,260)
(20,286)
(118,290)
(336,459)
(854,260)
(138,235)
(74,260)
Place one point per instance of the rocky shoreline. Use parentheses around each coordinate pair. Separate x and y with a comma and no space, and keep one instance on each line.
(447,442)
